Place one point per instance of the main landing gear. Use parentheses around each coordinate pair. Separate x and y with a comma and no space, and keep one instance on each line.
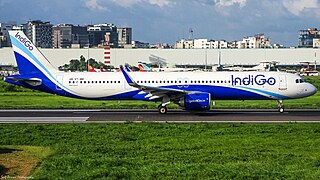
(280,106)
(162,109)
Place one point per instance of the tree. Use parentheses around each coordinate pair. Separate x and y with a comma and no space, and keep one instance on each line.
(74,65)
(93,63)
(83,64)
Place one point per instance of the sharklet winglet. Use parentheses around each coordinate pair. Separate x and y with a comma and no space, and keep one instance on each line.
(129,80)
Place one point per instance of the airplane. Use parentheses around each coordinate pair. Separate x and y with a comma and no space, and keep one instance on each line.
(193,91)
(143,67)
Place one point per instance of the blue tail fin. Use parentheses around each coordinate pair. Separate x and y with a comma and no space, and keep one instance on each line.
(29,59)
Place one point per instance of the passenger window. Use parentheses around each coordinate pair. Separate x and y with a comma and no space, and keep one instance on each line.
(119,82)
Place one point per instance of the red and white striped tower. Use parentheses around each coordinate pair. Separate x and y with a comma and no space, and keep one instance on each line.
(106,53)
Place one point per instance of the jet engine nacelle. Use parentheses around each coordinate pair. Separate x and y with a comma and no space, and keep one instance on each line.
(196,101)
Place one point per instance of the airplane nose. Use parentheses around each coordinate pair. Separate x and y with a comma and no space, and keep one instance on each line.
(312,89)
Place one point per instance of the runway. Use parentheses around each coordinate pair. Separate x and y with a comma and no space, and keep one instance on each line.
(173,116)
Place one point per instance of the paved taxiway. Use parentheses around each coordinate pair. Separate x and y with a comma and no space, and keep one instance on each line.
(173,116)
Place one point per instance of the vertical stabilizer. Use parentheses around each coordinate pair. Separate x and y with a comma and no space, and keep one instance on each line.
(29,59)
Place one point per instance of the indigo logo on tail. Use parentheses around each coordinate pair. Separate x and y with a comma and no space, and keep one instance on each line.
(25,41)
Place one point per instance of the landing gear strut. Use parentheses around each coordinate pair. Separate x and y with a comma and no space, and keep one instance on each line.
(280,106)
(162,109)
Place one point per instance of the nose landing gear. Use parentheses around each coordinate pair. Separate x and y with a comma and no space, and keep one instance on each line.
(280,106)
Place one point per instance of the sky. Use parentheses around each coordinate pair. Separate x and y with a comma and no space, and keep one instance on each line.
(167,21)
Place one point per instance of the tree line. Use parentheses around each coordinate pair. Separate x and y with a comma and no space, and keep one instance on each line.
(83,65)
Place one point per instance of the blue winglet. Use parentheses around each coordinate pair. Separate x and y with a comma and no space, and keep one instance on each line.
(127,77)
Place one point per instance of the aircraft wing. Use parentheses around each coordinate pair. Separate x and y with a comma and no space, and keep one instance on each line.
(30,81)
(155,92)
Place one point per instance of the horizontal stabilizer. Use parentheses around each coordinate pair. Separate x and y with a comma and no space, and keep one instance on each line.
(30,81)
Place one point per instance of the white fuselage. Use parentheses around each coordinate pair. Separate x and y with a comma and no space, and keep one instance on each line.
(272,85)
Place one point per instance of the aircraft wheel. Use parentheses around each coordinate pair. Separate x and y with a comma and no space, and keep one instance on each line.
(163,109)
(281,110)
(280,106)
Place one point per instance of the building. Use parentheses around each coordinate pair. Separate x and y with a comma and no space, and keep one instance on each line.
(4,34)
(184,44)
(138,44)
(316,43)
(40,33)
(201,44)
(262,42)
(124,36)
(204,44)
(253,42)
(103,35)
(160,46)
(20,28)
(309,38)
(69,36)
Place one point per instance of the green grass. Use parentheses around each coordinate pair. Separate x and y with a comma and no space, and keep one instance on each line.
(172,151)
(20,161)
(21,98)
(2,169)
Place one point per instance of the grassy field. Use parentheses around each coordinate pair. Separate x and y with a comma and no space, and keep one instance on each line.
(20,161)
(172,151)
(13,97)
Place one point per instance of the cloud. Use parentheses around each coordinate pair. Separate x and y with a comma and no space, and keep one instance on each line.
(126,3)
(223,3)
(296,7)
(227,3)
(129,3)
(161,3)
(93,5)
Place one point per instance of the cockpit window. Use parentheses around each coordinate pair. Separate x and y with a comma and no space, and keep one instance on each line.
(300,81)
